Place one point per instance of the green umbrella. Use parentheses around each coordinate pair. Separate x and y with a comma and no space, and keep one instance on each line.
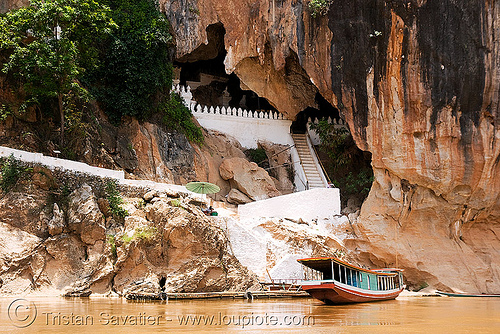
(202,187)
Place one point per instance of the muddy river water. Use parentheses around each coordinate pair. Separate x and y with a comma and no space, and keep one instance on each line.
(106,315)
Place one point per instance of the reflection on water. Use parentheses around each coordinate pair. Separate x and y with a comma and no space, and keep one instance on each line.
(104,315)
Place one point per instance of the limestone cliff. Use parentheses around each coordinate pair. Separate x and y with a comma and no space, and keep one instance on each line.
(60,241)
(417,81)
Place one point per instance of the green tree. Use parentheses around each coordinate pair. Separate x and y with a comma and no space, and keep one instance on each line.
(52,44)
(348,167)
(334,141)
(319,7)
(136,69)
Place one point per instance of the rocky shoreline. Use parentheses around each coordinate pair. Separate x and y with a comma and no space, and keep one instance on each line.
(59,237)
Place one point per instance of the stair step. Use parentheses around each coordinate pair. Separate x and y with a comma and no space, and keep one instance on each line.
(307,160)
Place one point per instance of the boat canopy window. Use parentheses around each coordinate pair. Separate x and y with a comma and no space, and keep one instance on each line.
(332,268)
(388,282)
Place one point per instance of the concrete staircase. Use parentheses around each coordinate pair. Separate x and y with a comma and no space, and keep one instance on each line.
(313,175)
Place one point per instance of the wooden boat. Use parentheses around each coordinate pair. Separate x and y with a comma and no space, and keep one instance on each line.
(449,294)
(334,281)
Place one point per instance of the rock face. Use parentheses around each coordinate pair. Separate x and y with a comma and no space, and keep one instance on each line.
(248,178)
(280,165)
(7,5)
(158,247)
(260,40)
(418,85)
(237,197)
(271,246)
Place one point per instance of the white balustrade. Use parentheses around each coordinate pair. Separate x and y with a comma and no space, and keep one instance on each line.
(187,96)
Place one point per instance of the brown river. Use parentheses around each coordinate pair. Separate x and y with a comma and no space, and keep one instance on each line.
(107,315)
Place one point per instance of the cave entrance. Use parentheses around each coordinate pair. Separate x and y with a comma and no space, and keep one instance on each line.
(162,283)
(345,165)
(204,72)
(324,110)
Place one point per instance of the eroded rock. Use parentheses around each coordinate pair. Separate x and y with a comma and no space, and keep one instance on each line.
(237,197)
(84,216)
(56,224)
(175,244)
(248,178)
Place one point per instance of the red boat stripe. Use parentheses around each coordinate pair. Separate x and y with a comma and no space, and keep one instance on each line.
(333,286)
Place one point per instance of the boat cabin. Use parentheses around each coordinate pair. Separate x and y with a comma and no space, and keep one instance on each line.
(333,270)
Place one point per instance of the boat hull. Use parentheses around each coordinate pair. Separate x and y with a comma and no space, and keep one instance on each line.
(336,294)
(449,294)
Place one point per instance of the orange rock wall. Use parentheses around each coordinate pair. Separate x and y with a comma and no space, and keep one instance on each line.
(417,81)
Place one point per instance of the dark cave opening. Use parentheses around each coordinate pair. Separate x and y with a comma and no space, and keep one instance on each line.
(162,283)
(324,110)
(347,167)
(203,70)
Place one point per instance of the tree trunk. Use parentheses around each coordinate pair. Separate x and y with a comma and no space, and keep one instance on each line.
(61,113)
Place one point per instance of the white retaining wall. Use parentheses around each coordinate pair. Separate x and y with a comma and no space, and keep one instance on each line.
(75,166)
(300,179)
(258,247)
(320,203)
(248,131)
(247,126)
(63,164)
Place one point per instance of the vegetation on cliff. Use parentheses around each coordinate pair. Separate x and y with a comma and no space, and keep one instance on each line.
(10,173)
(347,166)
(52,44)
(319,7)
(58,55)
(135,70)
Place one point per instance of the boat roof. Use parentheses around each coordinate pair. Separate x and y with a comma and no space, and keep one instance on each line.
(324,263)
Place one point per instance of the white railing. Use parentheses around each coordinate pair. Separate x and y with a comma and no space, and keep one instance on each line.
(319,167)
(237,112)
(196,108)
(337,124)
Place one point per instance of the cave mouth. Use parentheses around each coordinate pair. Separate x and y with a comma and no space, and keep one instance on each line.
(162,283)
(345,165)
(324,110)
(204,72)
